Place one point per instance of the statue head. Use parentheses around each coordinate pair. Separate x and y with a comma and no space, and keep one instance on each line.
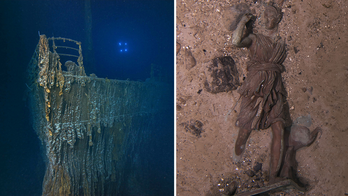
(272,16)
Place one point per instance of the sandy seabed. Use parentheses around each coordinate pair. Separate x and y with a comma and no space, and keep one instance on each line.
(316,79)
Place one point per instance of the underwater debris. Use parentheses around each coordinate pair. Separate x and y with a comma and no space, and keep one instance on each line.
(189,60)
(194,126)
(178,47)
(222,75)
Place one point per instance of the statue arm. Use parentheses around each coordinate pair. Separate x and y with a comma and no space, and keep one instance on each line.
(238,33)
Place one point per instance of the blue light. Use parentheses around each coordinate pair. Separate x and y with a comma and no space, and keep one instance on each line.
(123,47)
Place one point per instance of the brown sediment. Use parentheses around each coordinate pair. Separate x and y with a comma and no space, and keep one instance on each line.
(316,39)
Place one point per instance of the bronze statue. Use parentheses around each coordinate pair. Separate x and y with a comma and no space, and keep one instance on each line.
(264,96)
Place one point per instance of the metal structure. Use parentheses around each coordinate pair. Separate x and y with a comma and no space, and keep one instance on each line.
(90,127)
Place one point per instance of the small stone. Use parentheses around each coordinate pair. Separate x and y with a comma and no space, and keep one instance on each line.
(250,173)
(189,60)
(257,167)
(231,188)
(304,121)
(178,46)
(310,89)
(194,126)
(296,50)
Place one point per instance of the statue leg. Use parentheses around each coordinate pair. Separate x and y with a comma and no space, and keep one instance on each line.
(277,148)
(243,136)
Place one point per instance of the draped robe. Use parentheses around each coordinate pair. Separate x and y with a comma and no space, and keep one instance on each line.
(263,94)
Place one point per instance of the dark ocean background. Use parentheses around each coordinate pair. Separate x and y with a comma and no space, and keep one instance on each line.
(147,26)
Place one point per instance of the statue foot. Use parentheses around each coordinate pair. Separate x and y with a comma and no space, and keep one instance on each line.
(239,148)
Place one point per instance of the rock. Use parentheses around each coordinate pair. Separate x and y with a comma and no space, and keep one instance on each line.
(250,173)
(257,167)
(222,75)
(194,126)
(189,60)
(300,134)
(231,188)
(304,121)
(178,47)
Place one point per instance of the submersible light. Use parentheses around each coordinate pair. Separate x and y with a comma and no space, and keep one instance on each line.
(122,47)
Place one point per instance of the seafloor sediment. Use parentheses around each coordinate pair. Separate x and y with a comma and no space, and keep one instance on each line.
(315,32)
